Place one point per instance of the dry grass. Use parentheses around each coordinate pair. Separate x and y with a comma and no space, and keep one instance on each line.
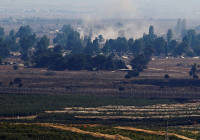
(135,112)
(101,82)
(161,133)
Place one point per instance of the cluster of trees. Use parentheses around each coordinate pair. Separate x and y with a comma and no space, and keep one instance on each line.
(161,46)
(194,71)
(70,51)
(56,61)
(76,53)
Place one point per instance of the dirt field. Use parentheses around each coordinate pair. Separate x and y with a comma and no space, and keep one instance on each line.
(101,82)
(135,112)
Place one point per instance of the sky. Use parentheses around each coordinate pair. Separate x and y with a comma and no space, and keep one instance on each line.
(114,8)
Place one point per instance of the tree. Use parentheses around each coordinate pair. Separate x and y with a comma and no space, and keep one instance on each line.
(160,46)
(69,39)
(108,47)
(42,45)
(139,63)
(182,48)
(89,46)
(4,48)
(11,40)
(95,45)
(166,76)
(138,47)
(193,71)
(100,38)
(24,31)
(130,43)
(152,35)
(2,33)
(27,40)
(171,46)
(151,30)
(26,43)
(121,45)
(169,35)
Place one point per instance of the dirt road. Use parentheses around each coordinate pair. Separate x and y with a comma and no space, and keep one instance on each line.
(76,130)
(161,133)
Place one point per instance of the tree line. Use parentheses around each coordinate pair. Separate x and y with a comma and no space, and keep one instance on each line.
(72,52)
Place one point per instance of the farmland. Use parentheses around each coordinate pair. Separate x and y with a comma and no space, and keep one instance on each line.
(101,102)
(106,82)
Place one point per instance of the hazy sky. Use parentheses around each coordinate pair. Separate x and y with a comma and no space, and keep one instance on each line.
(116,8)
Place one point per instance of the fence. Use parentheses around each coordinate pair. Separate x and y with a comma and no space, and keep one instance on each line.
(139,93)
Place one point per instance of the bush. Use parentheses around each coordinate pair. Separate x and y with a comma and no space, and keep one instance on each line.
(166,76)
(15,67)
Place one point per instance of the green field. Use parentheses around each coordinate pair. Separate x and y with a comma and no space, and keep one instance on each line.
(23,105)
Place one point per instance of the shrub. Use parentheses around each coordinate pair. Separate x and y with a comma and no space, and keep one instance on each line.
(15,67)
(17,80)
(166,76)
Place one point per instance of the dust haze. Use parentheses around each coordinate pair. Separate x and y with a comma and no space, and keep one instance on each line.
(111,18)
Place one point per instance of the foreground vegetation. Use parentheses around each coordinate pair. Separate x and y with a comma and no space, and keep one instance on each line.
(24,105)
(131,134)
(34,132)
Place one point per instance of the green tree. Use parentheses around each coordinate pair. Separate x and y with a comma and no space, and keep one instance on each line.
(89,46)
(24,31)
(42,45)
(11,40)
(193,71)
(4,49)
(160,46)
(69,39)
(108,47)
(152,35)
(26,43)
(169,35)
(95,45)
(171,46)
(138,47)
(2,33)
(182,48)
